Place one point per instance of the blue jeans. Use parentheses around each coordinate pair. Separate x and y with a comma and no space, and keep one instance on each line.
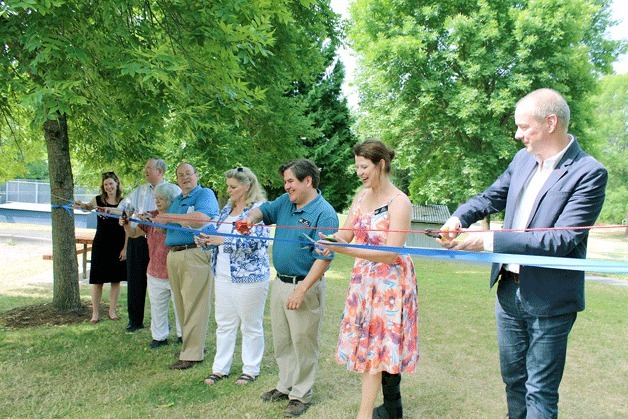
(532,353)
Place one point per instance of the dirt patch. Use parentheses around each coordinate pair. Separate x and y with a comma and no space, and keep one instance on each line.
(43,315)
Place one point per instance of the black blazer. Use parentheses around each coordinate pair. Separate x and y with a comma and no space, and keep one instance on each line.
(571,197)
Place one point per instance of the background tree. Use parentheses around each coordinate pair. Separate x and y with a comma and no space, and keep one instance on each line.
(439,80)
(22,154)
(181,80)
(610,129)
(331,150)
(270,133)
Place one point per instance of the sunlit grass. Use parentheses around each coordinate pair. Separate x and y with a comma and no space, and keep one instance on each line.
(86,370)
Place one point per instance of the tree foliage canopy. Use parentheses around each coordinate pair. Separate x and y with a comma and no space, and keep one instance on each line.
(439,80)
(207,82)
(610,131)
(213,83)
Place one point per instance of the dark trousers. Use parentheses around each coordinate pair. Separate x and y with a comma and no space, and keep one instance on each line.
(136,264)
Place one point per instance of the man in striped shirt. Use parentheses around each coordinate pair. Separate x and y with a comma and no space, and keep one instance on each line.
(140,200)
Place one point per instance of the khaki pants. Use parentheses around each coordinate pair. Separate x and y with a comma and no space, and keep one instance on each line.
(190,277)
(296,338)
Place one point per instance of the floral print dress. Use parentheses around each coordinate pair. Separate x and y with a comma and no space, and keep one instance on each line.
(379,329)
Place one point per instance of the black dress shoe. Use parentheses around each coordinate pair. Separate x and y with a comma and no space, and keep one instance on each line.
(132,328)
(157,343)
(180,339)
(183,365)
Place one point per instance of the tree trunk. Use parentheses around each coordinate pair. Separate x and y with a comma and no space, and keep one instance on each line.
(65,294)
(486,222)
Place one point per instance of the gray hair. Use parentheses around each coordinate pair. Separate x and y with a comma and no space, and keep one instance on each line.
(245,176)
(167,191)
(549,102)
(159,164)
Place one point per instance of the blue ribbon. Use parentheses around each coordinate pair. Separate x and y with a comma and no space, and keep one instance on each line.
(591,265)
(67,207)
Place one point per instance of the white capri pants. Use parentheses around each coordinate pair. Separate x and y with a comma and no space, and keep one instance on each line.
(160,294)
(239,304)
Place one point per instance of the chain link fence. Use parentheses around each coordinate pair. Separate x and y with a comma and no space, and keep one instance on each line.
(36,192)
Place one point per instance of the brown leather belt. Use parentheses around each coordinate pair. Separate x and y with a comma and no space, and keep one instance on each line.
(182,247)
(288,279)
(509,275)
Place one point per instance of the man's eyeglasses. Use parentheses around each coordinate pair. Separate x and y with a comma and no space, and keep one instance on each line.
(180,175)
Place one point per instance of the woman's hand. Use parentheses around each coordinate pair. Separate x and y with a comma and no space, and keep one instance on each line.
(207,240)
(325,246)
(145,216)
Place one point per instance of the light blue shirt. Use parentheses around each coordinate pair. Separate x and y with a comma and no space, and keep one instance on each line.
(198,200)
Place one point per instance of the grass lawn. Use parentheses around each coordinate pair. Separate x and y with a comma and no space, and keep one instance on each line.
(86,370)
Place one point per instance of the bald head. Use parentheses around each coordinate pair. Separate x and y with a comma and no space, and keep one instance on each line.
(545,102)
(187,178)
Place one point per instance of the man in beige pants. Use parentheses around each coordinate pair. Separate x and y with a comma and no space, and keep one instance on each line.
(297,296)
(189,268)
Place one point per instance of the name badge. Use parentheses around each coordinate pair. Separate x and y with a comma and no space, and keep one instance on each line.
(305,222)
(381,210)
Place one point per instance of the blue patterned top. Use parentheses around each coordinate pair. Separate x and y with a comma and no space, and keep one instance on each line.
(248,257)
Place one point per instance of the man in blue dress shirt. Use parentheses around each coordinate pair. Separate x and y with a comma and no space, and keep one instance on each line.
(188,265)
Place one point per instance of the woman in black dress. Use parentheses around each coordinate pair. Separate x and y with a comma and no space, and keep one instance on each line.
(109,249)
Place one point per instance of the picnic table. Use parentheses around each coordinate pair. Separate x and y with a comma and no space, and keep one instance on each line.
(84,242)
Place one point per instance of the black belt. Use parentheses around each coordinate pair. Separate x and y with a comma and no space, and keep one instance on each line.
(290,279)
(182,247)
(509,275)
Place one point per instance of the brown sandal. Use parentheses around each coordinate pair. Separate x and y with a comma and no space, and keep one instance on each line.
(244,379)
(214,378)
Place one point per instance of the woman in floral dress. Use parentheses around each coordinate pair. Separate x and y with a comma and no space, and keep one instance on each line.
(379,331)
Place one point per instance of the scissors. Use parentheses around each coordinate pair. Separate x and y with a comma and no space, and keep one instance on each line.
(430,232)
(310,239)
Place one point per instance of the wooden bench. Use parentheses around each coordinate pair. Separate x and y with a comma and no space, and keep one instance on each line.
(84,243)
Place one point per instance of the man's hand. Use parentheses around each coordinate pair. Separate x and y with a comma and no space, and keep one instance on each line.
(124,218)
(451,229)
(295,300)
(473,243)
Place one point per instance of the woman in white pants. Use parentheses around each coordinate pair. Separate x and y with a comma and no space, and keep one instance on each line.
(241,271)
(159,291)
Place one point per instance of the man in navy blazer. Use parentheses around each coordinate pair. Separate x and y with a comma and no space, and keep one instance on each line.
(550,184)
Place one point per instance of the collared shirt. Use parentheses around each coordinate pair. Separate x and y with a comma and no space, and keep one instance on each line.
(529,192)
(198,200)
(141,199)
(293,254)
